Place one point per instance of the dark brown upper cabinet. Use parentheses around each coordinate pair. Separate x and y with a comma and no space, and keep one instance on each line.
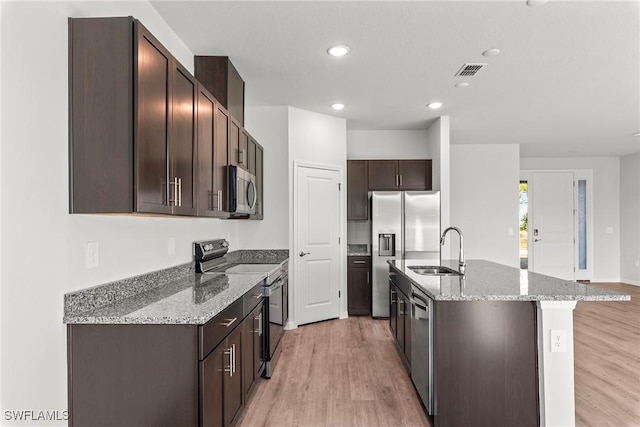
(259,183)
(221,78)
(357,190)
(399,175)
(212,146)
(132,114)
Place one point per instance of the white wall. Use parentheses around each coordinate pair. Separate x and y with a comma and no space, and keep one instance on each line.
(484,201)
(606,207)
(269,125)
(438,142)
(630,219)
(317,139)
(34,200)
(387,144)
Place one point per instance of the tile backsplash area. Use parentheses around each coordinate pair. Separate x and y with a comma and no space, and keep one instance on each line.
(359,232)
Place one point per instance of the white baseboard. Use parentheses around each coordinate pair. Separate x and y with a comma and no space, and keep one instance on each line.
(290,325)
(630,282)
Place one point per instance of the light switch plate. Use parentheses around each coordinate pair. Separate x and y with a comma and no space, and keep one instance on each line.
(171,245)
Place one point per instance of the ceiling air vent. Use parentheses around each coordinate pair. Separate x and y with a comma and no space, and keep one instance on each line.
(469,70)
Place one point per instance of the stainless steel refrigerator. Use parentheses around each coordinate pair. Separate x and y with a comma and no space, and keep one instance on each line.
(404,224)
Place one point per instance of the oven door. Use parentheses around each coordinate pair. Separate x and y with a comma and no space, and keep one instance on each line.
(242,190)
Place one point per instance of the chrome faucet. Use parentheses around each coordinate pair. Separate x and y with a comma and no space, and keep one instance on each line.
(461,262)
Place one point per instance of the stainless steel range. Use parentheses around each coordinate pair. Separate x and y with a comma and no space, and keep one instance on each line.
(211,258)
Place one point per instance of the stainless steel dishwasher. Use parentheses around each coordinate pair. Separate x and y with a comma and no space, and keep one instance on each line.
(422,373)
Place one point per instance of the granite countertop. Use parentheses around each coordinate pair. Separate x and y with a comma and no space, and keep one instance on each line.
(484,280)
(175,295)
(358,250)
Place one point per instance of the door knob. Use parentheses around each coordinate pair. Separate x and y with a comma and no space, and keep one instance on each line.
(537,240)
(304,253)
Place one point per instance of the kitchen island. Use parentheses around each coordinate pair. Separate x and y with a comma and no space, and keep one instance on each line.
(500,342)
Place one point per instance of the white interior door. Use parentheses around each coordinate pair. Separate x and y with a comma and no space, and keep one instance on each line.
(317,229)
(551,231)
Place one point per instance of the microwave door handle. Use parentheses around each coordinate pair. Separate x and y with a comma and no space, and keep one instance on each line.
(255,194)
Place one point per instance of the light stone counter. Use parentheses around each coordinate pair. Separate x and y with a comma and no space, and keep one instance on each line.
(488,281)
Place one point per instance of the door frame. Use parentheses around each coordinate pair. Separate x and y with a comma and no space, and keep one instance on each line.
(578,174)
(293,288)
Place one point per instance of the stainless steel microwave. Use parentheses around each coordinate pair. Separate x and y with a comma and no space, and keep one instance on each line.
(242,191)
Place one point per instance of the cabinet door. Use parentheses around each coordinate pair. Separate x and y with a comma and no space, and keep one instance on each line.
(213,370)
(205,195)
(243,150)
(400,319)
(383,174)
(415,174)
(220,155)
(258,341)
(251,156)
(357,190)
(358,285)
(393,309)
(233,392)
(182,140)
(234,144)
(259,182)
(153,69)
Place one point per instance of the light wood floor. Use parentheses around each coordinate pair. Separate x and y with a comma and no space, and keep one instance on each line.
(337,373)
(607,360)
(348,373)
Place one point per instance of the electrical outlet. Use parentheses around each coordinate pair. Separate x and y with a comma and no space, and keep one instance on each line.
(609,230)
(171,245)
(636,263)
(91,255)
(510,231)
(558,341)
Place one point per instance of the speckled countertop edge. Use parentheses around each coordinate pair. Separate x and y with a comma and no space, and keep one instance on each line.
(91,305)
(357,249)
(487,281)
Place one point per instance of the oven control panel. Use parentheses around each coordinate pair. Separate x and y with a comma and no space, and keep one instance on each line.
(210,249)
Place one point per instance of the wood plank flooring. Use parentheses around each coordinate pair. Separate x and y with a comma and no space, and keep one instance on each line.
(607,360)
(337,373)
(348,373)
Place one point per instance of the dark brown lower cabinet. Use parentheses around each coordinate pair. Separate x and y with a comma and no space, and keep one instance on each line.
(166,375)
(359,285)
(400,322)
(252,348)
(221,392)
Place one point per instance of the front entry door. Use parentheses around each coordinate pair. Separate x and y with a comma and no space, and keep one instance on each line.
(317,228)
(552,228)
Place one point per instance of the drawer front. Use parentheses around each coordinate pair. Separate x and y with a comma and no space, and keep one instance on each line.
(359,262)
(252,299)
(215,330)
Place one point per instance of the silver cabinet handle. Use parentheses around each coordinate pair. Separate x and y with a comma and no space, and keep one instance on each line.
(229,322)
(233,350)
(219,200)
(179,191)
(257,296)
(400,180)
(304,253)
(241,156)
(397,180)
(229,353)
(260,324)
(359,262)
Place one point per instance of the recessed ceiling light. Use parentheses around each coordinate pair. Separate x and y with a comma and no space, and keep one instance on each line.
(491,52)
(339,50)
(462,84)
(536,2)
(337,106)
(435,105)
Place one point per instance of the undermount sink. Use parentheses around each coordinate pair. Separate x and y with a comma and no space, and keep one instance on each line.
(433,270)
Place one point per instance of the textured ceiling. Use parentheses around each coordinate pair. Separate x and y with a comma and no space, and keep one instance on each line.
(567,81)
